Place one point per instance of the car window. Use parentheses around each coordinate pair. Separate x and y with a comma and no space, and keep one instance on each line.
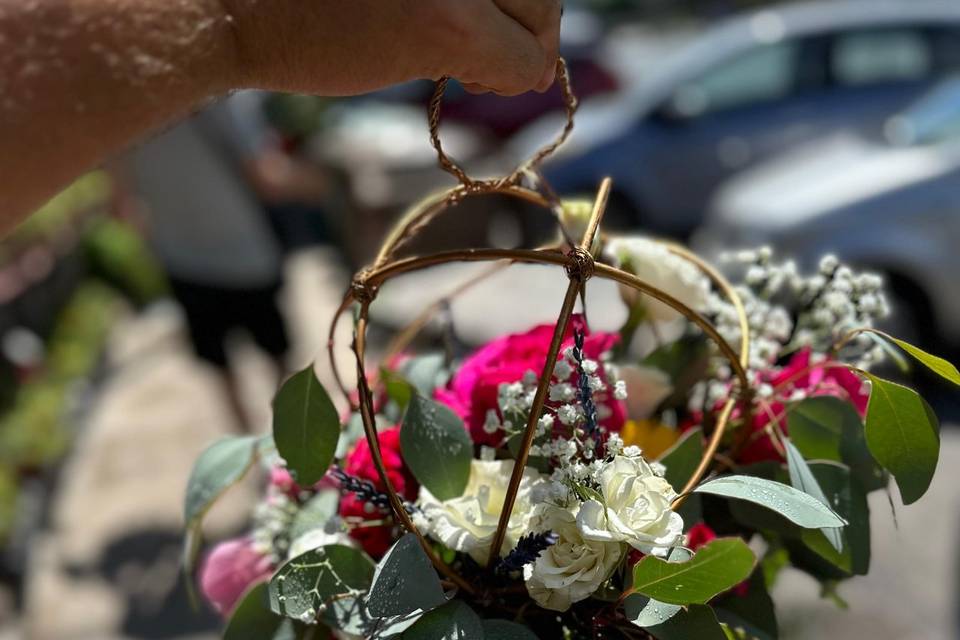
(875,57)
(761,74)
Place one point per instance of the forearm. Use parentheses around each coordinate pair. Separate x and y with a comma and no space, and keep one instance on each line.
(79,79)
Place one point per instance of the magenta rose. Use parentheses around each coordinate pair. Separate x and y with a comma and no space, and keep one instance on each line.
(821,379)
(473,390)
(229,571)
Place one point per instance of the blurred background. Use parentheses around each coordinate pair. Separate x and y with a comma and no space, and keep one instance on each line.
(154,305)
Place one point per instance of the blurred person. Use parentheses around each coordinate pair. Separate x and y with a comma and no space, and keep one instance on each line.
(82,79)
(211,232)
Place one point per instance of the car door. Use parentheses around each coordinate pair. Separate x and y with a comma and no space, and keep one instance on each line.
(740,111)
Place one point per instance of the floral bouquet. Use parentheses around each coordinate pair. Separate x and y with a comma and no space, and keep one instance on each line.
(570,483)
(614,529)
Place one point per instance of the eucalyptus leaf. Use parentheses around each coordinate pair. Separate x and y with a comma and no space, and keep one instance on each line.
(938,365)
(306,584)
(436,448)
(802,478)
(220,466)
(716,567)
(404,581)
(697,622)
(252,619)
(646,612)
(315,513)
(828,428)
(306,426)
(504,630)
(682,459)
(349,614)
(453,621)
(426,372)
(794,505)
(847,498)
(903,435)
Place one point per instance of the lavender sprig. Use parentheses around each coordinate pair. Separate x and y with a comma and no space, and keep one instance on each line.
(528,549)
(583,385)
(365,490)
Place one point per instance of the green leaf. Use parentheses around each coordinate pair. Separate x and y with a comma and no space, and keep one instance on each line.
(349,614)
(848,499)
(719,565)
(220,466)
(698,622)
(504,630)
(936,364)
(903,435)
(307,583)
(305,426)
(796,506)
(404,581)
(828,428)
(315,513)
(426,372)
(436,448)
(773,562)
(453,621)
(802,478)
(682,459)
(751,612)
(646,612)
(253,620)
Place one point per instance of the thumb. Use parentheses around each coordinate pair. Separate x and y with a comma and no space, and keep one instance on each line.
(500,54)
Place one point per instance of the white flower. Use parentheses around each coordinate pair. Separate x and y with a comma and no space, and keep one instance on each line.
(468,523)
(636,508)
(572,569)
(652,262)
(645,388)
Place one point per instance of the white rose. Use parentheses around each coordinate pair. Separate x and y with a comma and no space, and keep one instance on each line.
(652,262)
(572,569)
(468,523)
(636,510)
(646,387)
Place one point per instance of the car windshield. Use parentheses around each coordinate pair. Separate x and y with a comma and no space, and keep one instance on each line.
(934,118)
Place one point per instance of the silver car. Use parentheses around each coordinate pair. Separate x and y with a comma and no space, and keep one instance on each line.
(889,202)
(744,91)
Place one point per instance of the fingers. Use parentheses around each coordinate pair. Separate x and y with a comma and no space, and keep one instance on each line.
(505,46)
(542,19)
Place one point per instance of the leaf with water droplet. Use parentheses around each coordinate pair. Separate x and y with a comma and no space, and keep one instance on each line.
(647,612)
(436,447)
(681,459)
(252,619)
(802,478)
(453,621)
(306,426)
(404,581)
(796,506)
(697,622)
(309,581)
(717,566)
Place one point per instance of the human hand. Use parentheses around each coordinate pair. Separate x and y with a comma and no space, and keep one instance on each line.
(344,47)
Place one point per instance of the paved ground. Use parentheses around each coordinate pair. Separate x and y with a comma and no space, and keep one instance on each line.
(107,568)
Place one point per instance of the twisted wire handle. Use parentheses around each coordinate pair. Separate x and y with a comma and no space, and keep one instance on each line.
(449,165)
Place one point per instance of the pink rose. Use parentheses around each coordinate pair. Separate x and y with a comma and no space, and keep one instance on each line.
(229,571)
(474,389)
(821,379)
(359,463)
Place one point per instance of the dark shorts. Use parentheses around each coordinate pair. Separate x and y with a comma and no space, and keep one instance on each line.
(213,312)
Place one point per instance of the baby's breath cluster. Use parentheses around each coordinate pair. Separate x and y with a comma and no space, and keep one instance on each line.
(272,519)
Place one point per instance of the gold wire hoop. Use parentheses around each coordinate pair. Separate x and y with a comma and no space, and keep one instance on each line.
(579,264)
